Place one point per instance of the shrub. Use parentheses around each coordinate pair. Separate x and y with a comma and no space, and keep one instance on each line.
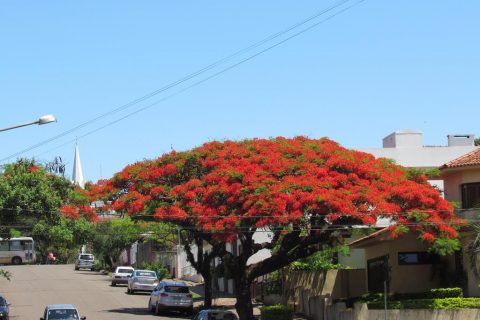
(446,293)
(98,265)
(445,303)
(159,268)
(273,284)
(276,312)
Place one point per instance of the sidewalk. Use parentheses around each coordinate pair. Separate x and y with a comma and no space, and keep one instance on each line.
(220,300)
(227,301)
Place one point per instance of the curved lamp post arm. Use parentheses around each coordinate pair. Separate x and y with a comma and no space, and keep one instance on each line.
(42,120)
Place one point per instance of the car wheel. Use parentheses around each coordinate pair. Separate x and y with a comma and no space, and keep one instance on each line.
(158,311)
(77,268)
(129,291)
(150,307)
(113,284)
(92,269)
(17,260)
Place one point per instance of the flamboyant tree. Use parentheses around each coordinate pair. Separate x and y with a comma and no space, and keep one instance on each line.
(307,193)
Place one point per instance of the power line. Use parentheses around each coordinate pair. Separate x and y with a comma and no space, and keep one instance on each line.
(192,75)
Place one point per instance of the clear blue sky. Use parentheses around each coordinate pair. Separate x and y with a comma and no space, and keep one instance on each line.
(379,67)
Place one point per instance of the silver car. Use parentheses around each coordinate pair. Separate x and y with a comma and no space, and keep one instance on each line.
(61,312)
(169,295)
(85,261)
(121,275)
(142,280)
(215,314)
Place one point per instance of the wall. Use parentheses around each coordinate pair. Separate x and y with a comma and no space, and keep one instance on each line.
(472,288)
(454,178)
(306,289)
(361,312)
(185,269)
(403,280)
(420,157)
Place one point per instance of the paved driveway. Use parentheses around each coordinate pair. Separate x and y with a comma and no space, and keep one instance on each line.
(33,287)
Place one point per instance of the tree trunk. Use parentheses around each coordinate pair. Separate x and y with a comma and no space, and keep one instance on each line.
(244,305)
(207,280)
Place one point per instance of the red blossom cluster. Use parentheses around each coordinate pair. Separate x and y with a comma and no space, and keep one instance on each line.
(73,211)
(228,187)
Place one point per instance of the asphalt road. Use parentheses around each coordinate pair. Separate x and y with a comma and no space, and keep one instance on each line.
(32,287)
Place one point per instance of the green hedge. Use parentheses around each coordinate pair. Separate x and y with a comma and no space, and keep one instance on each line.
(446,293)
(440,293)
(276,312)
(445,303)
(432,294)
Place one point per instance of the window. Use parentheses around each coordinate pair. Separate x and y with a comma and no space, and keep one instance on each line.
(145,274)
(63,314)
(16,245)
(125,271)
(3,245)
(413,258)
(470,195)
(176,289)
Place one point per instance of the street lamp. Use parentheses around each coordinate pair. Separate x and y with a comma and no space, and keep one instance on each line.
(42,120)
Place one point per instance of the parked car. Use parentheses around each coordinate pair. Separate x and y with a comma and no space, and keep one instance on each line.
(169,295)
(61,312)
(85,261)
(142,280)
(121,275)
(215,314)
(4,309)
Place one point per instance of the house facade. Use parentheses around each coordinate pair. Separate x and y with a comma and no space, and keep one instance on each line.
(405,261)
(406,148)
(405,264)
(462,186)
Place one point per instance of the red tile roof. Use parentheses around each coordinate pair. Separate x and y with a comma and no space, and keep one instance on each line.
(469,159)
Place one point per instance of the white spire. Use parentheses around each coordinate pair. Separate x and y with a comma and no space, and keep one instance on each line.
(77,175)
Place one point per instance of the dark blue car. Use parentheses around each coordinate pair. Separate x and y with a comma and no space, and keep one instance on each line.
(4,309)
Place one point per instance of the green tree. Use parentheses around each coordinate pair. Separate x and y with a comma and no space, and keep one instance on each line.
(29,194)
(306,192)
(111,237)
(325,259)
(477,142)
(63,239)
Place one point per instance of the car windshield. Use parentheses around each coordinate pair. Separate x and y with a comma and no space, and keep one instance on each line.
(86,257)
(150,274)
(177,289)
(125,271)
(63,314)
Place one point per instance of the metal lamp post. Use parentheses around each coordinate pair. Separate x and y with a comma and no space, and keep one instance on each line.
(42,120)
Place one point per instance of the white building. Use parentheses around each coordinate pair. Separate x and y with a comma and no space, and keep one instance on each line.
(77,175)
(406,148)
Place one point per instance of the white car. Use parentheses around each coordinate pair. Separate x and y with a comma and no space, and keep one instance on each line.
(61,312)
(121,275)
(85,261)
(142,280)
(170,295)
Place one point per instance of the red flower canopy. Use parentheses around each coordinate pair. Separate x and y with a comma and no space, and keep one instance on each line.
(226,188)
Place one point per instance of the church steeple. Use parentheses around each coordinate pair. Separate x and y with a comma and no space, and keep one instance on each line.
(77,175)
